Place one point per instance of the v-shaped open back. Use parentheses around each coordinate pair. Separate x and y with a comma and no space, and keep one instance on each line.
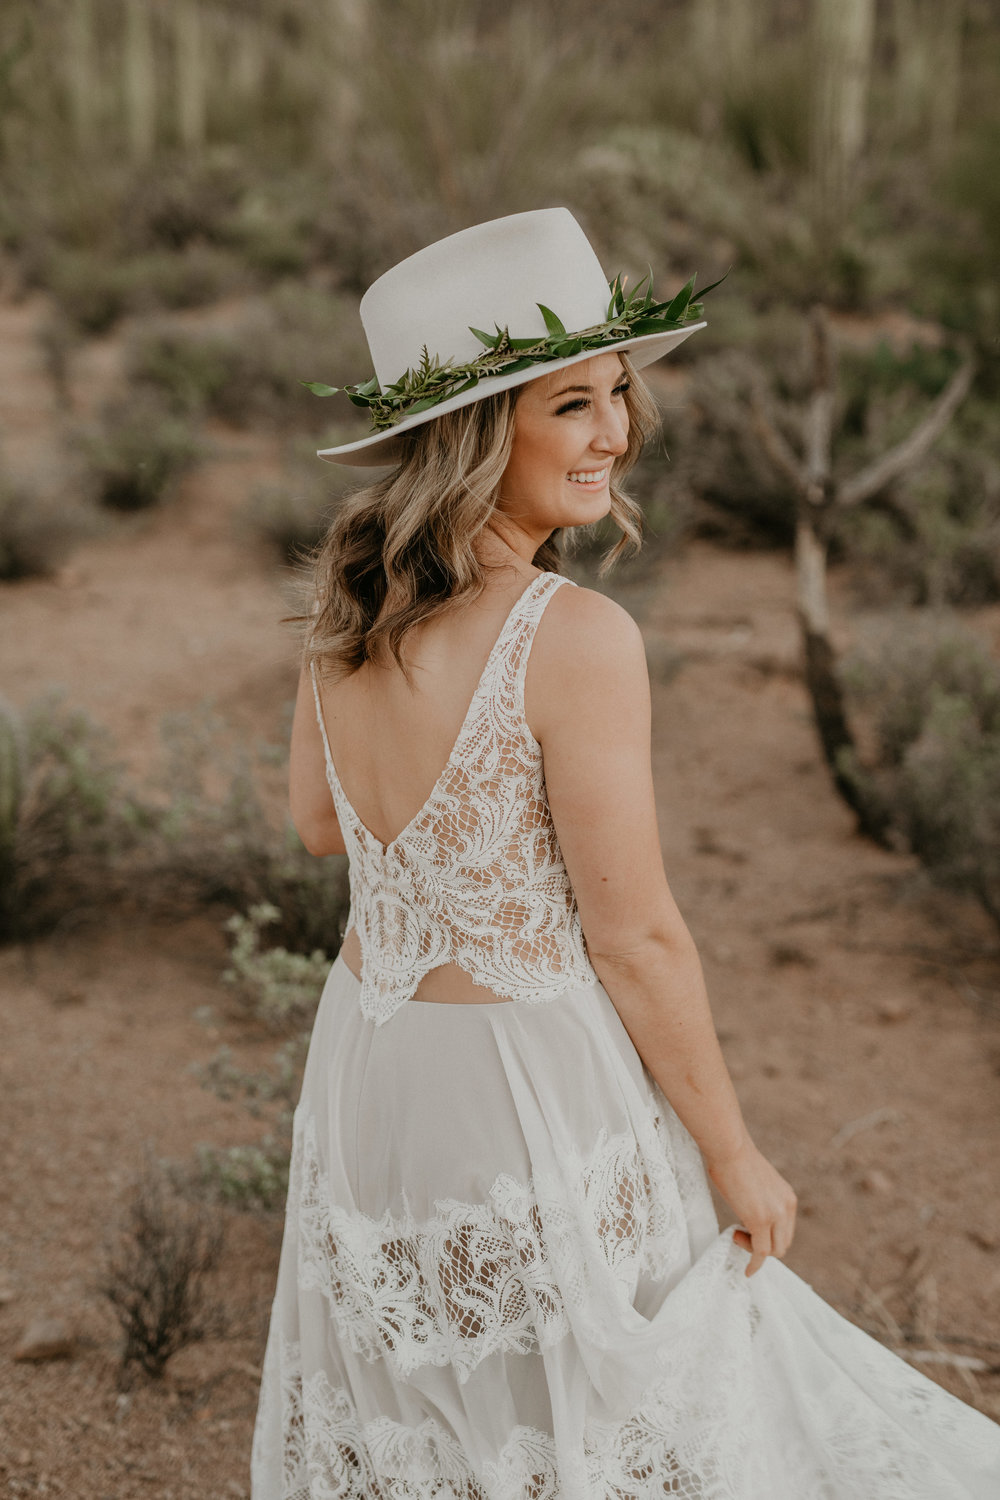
(482,686)
(476,878)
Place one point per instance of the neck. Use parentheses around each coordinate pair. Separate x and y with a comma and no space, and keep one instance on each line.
(506,541)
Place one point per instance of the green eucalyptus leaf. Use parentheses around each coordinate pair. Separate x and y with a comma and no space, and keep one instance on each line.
(489,339)
(712,285)
(318,389)
(677,307)
(552,323)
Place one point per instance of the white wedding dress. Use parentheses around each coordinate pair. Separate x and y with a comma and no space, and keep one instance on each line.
(501,1276)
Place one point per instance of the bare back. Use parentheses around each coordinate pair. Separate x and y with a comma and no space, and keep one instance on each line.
(390,739)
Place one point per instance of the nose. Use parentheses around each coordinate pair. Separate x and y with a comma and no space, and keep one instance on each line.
(612,433)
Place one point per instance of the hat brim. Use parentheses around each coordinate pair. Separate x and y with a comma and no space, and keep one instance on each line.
(384,448)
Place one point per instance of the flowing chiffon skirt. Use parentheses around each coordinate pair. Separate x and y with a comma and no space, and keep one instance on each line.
(502,1278)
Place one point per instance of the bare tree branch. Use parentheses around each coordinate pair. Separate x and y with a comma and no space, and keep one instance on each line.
(819,413)
(913,447)
(772,441)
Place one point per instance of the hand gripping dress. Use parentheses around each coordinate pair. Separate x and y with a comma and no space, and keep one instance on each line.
(501,1276)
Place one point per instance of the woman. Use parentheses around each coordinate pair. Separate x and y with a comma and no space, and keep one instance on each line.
(501,1274)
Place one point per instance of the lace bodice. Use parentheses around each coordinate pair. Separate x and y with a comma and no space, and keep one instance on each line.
(476,878)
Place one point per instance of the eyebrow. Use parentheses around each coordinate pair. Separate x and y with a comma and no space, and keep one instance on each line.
(588,389)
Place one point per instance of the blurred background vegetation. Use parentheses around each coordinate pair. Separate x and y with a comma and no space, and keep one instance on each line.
(211,186)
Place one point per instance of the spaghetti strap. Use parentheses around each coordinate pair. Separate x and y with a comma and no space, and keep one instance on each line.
(319,717)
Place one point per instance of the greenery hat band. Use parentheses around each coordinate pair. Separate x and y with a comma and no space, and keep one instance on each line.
(492,307)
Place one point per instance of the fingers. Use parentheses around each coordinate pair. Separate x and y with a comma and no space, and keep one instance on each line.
(784,1231)
(772,1238)
(760,1249)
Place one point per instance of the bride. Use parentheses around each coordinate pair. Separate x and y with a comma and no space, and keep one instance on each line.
(501,1273)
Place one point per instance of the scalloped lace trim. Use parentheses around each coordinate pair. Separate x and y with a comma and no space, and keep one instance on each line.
(498,1275)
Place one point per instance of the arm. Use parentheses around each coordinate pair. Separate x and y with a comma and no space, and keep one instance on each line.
(309,797)
(587,702)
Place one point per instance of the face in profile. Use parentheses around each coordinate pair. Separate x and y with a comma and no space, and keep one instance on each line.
(569,427)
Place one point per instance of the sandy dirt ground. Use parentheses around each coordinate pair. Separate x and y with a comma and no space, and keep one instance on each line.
(859,1010)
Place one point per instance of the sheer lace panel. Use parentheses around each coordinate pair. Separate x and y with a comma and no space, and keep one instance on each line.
(476,878)
(496,1275)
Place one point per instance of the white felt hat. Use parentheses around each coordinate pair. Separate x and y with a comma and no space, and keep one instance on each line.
(494,275)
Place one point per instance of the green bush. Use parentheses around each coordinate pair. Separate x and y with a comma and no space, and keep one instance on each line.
(255,1177)
(216,842)
(67,817)
(277,987)
(252,371)
(136,452)
(38,533)
(75,837)
(928,693)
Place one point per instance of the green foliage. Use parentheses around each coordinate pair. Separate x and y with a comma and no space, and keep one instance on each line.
(248,372)
(247,1177)
(277,987)
(94,290)
(255,1177)
(933,537)
(136,453)
(930,694)
(75,837)
(216,842)
(68,816)
(38,532)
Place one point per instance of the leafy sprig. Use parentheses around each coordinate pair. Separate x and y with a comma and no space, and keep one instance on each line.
(632,315)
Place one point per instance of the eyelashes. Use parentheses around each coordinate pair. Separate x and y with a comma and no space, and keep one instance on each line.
(582,402)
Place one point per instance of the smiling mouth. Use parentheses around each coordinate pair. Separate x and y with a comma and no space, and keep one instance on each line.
(589,479)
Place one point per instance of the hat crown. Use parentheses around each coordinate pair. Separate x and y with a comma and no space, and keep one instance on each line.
(491,274)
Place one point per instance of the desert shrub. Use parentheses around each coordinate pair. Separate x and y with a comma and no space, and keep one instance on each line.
(933,537)
(68,818)
(291,514)
(215,840)
(928,693)
(277,987)
(137,451)
(75,836)
(255,1177)
(91,289)
(250,1178)
(252,371)
(38,532)
(155,1267)
(735,494)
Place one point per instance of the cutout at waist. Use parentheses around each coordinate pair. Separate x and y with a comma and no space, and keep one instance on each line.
(448,984)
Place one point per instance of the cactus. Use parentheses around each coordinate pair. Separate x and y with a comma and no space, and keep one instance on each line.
(11,797)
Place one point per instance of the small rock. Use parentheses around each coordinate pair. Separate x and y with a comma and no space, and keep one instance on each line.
(875,1182)
(894,1010)
(46,1338)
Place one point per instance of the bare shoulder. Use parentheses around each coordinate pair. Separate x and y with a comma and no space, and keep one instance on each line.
(582,626)
(586,645)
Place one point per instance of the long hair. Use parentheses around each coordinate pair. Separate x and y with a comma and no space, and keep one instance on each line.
(400,550)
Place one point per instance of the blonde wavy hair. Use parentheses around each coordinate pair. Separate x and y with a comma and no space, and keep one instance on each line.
(400,551)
